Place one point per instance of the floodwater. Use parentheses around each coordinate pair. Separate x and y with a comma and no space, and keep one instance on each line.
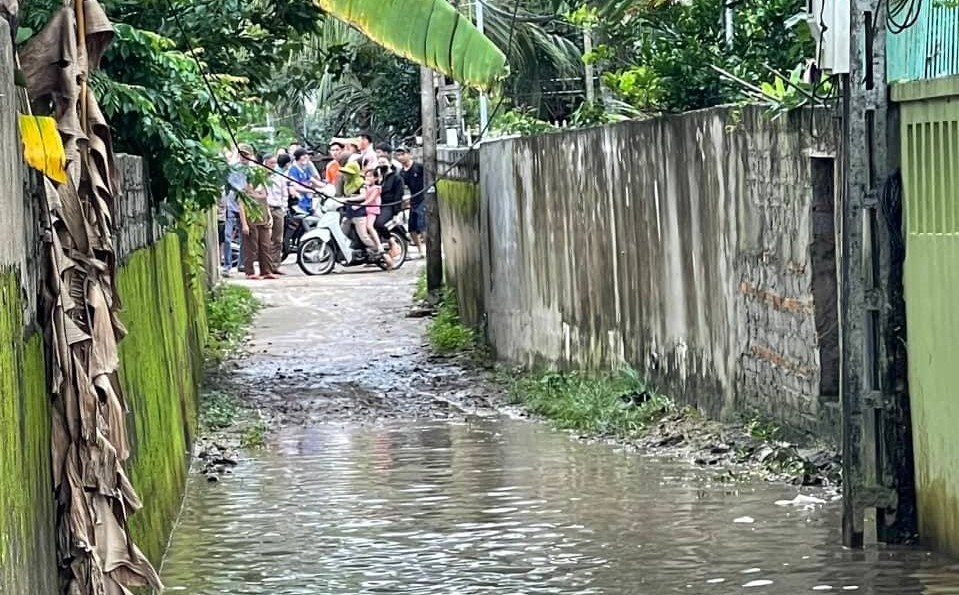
(494,505)
(374,483)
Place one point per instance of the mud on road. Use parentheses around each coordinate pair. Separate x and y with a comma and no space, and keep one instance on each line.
(341,348)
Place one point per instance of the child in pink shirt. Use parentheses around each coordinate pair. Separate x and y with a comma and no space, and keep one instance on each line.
(372,199)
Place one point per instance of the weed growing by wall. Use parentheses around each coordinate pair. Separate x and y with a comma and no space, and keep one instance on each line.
(446,333)
(230,311)
(614,404)
(421,292)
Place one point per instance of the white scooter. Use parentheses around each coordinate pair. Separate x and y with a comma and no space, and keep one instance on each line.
(326,245)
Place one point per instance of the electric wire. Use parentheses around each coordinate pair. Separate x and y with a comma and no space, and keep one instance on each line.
(912,9)
(236,145)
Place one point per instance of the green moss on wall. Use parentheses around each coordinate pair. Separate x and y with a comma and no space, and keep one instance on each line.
(160,366)
(26,501)
(460,214)
(459,197)
(162,294)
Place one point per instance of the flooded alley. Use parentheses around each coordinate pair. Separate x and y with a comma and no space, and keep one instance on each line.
(392,472)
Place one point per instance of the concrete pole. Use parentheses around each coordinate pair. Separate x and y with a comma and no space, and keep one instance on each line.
(434,246)
(728,22)
(590,73)
(878,468)
(484,100)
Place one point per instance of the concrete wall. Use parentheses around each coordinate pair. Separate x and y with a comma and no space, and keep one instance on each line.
(680,246)
(160,370)
(162,287)
(459,202)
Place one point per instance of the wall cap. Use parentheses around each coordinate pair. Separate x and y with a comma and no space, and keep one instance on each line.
(925,89)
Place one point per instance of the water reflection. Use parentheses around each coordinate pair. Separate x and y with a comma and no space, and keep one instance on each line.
(507,507)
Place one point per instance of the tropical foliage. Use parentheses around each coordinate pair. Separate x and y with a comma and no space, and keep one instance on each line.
(182,75)
(433,33)
(661,56)
(370,89)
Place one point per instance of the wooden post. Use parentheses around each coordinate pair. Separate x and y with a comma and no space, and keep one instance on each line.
(434,246)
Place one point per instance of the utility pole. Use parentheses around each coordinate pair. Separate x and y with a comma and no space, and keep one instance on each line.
(484,100)
(878,484)
(729,25)
(434,246)
(590,71)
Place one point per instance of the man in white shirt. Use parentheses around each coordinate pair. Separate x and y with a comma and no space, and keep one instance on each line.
(368,158)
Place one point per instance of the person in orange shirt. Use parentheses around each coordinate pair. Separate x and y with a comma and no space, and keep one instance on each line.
(333,167)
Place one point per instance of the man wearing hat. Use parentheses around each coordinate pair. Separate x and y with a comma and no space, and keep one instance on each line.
(257,226)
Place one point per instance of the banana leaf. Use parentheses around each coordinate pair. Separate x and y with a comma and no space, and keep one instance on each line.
(429,32)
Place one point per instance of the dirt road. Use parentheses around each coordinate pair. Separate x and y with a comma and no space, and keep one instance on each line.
(341,347)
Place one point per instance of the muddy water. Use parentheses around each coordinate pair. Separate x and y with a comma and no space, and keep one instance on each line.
(507,507)
(402,495)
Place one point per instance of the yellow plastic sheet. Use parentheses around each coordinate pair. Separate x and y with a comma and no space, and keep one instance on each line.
(42,147)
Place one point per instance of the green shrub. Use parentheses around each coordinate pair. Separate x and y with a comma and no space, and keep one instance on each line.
(446,333)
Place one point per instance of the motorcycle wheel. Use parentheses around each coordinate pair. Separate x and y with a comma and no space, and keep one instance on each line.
(316,257)
(404,251)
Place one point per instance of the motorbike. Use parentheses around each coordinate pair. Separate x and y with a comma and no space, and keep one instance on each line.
(296,224)
(322,248)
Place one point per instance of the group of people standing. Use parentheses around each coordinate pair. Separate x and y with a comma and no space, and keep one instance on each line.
(372,181)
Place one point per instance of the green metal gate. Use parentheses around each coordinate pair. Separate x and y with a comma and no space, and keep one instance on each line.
(929,112)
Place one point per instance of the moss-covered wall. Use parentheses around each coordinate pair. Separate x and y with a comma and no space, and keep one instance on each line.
(27,557)
(160,367)
(462,246)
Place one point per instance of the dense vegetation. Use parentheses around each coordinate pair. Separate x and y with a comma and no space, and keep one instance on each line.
(286,62)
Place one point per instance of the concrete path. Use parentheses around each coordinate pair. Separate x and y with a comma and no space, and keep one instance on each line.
(342,347)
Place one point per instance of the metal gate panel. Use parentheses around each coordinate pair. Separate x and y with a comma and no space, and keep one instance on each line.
(930,171)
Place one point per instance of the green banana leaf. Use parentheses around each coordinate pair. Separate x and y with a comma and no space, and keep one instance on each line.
(429,32)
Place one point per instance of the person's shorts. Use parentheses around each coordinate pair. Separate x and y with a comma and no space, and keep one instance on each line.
(418,218)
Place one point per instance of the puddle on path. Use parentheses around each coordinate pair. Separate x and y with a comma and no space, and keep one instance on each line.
(508,507)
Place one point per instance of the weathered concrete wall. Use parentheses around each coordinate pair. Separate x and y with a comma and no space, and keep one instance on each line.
(135,218)
(459,201)
(160,373)
(680,246)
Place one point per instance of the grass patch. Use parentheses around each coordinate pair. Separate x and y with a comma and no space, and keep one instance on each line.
(420,292)
(446,333)
(230,311)
(224,414)
(616,404)
(254,436)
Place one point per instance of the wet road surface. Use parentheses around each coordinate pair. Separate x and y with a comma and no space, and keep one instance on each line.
(358,494)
